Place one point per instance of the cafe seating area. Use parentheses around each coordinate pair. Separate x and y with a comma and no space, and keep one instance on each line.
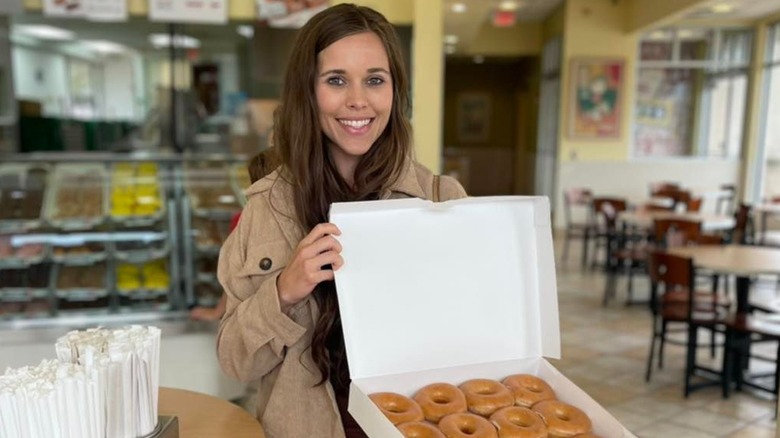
(672,310)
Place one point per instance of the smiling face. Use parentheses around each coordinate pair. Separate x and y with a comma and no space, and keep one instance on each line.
(354,97)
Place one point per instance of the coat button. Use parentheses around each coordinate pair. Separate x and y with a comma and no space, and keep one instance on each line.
(265,264)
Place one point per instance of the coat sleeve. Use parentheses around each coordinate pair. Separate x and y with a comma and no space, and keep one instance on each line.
(254,333)
(450,188)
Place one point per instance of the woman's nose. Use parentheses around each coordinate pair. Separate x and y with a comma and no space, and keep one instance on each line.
(356,97)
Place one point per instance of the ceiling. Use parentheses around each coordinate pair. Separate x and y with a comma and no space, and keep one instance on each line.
(465,25)
(734,9)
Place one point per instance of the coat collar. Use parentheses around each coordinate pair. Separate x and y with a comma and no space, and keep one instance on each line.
(280,197)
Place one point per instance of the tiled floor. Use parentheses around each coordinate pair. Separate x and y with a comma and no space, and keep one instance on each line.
(605,352)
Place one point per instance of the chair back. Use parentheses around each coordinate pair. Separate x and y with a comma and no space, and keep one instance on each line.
(676,232)
(572,197)
(677,196)
(693,205)
(608,209)
(663,185)
(726,199)
(670,271)
(743,229)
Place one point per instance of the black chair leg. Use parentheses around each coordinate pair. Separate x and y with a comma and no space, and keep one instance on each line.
(661,346)
(653,337)
(690,361)
(728,364)
(712,344)
(585,244)
(566,242)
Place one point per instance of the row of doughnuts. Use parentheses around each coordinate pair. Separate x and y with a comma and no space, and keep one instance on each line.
(520,406)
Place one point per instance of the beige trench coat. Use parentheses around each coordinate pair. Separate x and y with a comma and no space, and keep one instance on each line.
(256,340)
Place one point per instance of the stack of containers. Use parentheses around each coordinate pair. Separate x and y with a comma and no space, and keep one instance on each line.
(105,384)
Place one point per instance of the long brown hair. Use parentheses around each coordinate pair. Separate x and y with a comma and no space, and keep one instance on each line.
(304,150)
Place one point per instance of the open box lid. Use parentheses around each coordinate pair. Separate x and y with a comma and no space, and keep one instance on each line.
(431,285)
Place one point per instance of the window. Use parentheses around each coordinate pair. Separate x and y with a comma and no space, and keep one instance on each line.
(772,95)
(691,92)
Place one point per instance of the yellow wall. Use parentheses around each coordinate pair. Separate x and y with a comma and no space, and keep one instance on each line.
(521,39)
(595,28)
(553,25)
(428,82)
(396,11)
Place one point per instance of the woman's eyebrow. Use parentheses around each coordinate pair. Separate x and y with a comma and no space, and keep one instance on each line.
(342,72)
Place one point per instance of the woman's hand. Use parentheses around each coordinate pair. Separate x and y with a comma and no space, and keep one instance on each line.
(305,270)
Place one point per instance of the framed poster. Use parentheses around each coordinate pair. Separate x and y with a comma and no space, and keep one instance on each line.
(185,11)
(595,94)
(292,14)
(474,117)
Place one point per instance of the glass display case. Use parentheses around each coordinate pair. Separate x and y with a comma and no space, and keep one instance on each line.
(101,236)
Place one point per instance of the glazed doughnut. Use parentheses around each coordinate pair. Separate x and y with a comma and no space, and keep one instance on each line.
(563,420)
(587,435)
(485,396)
(420,429)
(438,400)
(528,390)
(518,422)
(396,407)
(467,426)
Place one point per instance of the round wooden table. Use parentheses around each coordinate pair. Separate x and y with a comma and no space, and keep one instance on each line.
(739,260)
(204,416)
(644,219)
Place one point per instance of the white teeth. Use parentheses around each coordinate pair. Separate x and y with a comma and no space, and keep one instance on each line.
(355,123)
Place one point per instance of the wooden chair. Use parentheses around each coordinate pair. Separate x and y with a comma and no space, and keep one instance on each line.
(676,232)
(577,229)
(693,205)
(725,202)
(675,300)
(625,251)
(664,185)
(678,196)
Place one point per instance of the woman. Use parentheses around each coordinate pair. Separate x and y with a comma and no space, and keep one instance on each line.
(342,135)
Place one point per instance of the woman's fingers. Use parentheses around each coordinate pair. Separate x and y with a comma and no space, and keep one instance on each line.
(331,258)
(323,244)
(319,231)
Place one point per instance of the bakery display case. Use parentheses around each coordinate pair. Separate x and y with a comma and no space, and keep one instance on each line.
(102,236)
(213,196)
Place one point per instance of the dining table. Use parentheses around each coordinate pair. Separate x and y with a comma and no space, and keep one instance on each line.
(742,261)
(644,219)
(205,416)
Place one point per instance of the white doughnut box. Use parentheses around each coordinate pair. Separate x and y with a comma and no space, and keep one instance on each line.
(447,292)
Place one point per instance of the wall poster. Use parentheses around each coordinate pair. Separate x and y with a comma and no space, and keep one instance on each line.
(595,95)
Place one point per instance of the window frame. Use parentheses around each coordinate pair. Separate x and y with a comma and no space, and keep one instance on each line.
(713,66)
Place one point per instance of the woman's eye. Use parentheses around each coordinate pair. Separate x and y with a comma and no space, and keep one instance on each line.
(376,81)
(336,81)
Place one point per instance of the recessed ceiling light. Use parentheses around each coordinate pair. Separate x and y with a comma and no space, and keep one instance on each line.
(722,8)
(458,8)
(46,32)
(508,5)
(479,59)
(104,47)
(451,39)
(160,40)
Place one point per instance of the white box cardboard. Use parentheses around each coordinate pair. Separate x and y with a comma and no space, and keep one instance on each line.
(446,292)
